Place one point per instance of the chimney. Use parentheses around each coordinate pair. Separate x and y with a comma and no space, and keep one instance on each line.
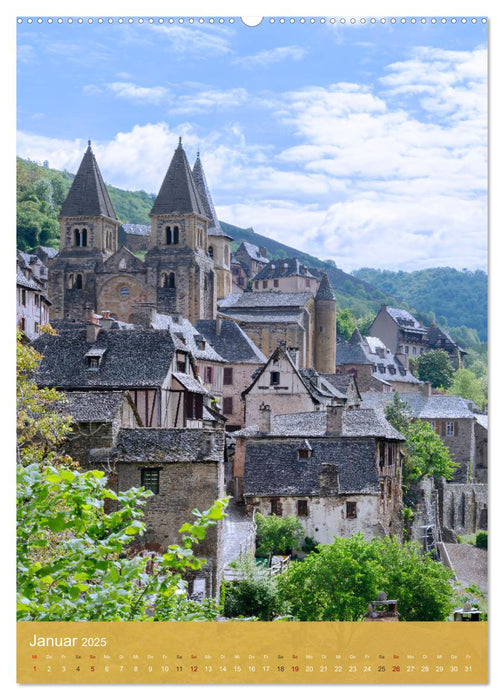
(92,329)
(106,320)
(294,355)
(426,389)
(403,359)
(143,314)
(218,325)
(264,418)
(334,414)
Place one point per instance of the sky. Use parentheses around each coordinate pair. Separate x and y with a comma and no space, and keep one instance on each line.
(364,143)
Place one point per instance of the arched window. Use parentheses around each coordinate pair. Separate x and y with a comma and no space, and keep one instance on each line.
(77,237)
(78,282)
(210,252)
(175,235)
(169,238)
(168,280)
(171,280)
(84,237)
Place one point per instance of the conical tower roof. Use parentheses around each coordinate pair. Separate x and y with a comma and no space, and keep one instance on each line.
(325,293)
(178,192)
(88,195)
(356,338)
(214,227)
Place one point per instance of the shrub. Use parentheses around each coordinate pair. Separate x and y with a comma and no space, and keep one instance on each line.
(482,539)
(276,535)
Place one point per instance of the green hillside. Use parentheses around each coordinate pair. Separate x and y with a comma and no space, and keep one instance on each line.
(457,298)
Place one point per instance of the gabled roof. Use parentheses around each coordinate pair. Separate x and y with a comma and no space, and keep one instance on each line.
(286,267)
(228,339)
(214,227)
(325,292)
(93,406)
(253,251)
(178,193)
(23,281)
(423,407)
(183,328)
(404,319)
(131,358)
(88,195)
(372,351)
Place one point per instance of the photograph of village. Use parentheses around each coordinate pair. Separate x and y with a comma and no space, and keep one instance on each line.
(252,320)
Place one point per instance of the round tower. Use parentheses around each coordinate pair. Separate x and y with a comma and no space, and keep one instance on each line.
(325,328)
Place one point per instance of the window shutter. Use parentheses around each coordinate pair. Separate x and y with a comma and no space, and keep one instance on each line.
(443,428)
(455,423)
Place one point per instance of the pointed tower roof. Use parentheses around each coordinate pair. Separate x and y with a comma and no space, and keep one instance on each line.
(356,338)
(178,192)
(88,195)
(325,292)
(214,227)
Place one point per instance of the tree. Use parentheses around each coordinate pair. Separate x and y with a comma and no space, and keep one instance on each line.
(253,594)
(466,384)
(339,581)
(435,367)
(277,535)
(426,454)
(72,552)
(345,323)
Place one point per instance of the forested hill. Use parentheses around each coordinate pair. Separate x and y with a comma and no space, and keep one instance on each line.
(457,297)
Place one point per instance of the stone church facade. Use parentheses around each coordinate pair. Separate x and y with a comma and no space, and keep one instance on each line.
(186,267)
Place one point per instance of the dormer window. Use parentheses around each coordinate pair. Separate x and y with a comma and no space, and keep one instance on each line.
(303,455)
(94,357)
(93,362)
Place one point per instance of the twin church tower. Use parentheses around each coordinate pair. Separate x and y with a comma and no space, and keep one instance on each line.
(187,265)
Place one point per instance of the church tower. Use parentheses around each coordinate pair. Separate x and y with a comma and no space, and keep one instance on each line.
(178,260)
(325,328)
(88,236)
(218,241)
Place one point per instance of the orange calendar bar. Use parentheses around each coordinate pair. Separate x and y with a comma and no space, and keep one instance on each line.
(251,652)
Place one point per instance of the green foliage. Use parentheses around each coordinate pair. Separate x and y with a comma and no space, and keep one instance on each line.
(466,384)
(435,367)
(426,454)
(458,298)
(73,532)
(339,581)
(276,535)
(482,539)
(345,324)
(254,594)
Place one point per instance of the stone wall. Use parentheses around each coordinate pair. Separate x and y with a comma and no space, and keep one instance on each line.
(242,378)
(463,508)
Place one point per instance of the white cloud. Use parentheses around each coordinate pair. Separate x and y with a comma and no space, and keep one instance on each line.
(193,41)
(209,100)
(269,56)
(137,93)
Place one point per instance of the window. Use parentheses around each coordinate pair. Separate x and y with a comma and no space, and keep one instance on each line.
(37,300)
(210,252)
(276,506)
(406,349)
(302,508)
(275,283)
(175,235)
(389,490)
(303,455)
(400,349)
(193,406)
(169,237)
(208,375)
(265,284)
(450,429)
(256,285)
(227,405)
(84,238)
(413,349)
(93,362)
(150,480)
(274,378)
(228,375)
(391,453)
(77,237)
(23,297)
(307,282)
(22,323)
(78,282)
(351,509)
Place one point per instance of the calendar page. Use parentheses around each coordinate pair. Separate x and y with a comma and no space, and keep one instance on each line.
(252,403)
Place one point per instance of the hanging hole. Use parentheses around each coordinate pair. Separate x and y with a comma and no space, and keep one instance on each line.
(252,21)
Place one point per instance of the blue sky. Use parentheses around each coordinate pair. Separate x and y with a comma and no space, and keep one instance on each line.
(364,143)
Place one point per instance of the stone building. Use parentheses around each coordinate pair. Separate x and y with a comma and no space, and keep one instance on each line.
(32,303)
(305,322)
(400,332)
(439,339)
(374,366)
(187,263)
(242,357)
(286,275)
(246,262)
(339,471)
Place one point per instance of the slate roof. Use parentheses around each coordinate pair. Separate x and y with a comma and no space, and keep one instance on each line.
(325,292)
(482,419)
(137,229)
(230,342)
(190,383)
(372,351)
(132,358)
(50,252)
(319,386)
(404,319)
(265,300)
(88,195)
(174,445)
(93,406)
(178,191)
(214,227)
(357,423)
(23,281)
(286,267)
(342,382)
(190,334)
(254,252)
(259,316)
(272,468)
(423,407)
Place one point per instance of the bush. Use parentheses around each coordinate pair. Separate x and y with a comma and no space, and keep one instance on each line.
(253,595)
(277,535)
(482,539)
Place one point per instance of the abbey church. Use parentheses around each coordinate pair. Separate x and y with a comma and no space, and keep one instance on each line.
(187,268)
